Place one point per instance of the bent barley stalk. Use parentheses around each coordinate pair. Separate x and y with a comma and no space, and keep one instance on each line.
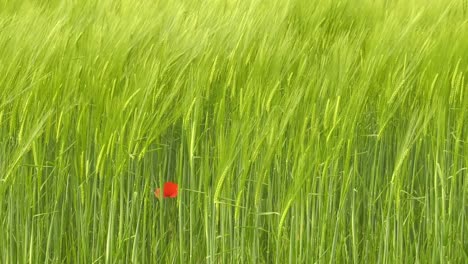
(298,131)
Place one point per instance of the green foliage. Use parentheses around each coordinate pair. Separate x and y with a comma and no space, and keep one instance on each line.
(299,131)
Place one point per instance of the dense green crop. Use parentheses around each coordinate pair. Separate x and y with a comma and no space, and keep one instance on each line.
(299,131)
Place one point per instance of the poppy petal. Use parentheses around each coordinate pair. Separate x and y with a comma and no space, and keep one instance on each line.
(157,193)
(170,189)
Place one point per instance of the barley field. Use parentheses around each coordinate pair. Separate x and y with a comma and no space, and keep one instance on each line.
(297,131)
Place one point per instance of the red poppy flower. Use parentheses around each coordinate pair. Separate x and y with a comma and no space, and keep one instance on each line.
(170,190)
